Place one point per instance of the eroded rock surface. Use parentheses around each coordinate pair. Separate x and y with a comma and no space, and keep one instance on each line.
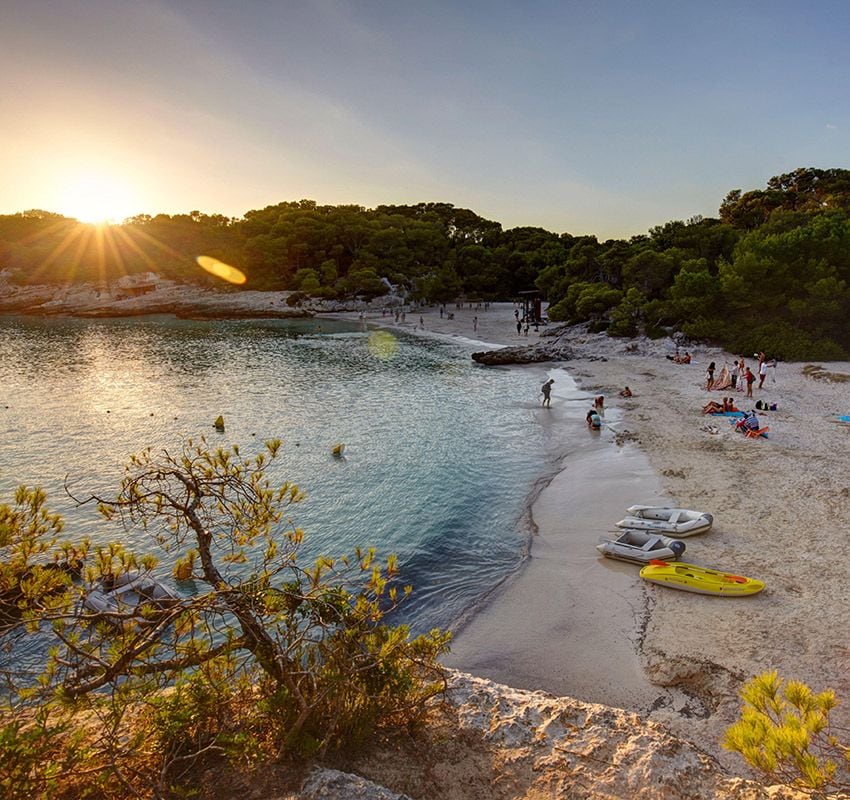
(492,742)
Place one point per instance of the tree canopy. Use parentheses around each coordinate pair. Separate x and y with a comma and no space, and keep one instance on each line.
(258,656)
(769,273)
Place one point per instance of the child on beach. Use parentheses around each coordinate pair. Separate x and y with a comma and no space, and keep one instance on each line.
(749,378)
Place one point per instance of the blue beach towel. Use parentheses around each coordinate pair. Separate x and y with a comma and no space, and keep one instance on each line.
(727,413)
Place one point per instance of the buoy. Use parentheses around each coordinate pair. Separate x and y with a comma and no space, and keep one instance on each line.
(338,449)
(219,423)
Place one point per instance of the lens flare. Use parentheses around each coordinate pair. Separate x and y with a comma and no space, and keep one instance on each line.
(221,270)
(383,345)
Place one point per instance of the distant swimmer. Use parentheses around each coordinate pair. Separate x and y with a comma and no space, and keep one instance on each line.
(546,389)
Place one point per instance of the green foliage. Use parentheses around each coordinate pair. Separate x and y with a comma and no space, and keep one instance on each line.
(627,316)
(36,754)
(784,732)
(283,658)
(595,300)
(778,255)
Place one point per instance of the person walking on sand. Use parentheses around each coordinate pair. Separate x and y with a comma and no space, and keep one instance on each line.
(749,378)
(762,371)
(546,389)
(475,324)
(709,376)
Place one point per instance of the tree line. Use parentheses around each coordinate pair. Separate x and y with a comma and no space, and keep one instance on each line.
(770,272)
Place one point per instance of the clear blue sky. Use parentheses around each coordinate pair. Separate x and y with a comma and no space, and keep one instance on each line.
(584,117)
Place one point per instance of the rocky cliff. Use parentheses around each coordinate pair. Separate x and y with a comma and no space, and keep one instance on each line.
(491,741)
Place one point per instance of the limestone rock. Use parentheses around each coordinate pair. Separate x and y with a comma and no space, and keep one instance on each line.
(492,742)
(331,784)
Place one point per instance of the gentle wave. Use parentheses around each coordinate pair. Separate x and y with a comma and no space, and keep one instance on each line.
(441,455)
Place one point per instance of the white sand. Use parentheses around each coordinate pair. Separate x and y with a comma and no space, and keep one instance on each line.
(575,624)
(586,627)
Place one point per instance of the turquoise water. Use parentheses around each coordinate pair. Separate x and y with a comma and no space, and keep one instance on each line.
(440,456)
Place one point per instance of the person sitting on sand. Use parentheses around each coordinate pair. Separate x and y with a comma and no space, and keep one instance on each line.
(626,392)
(713,407)
(749,422)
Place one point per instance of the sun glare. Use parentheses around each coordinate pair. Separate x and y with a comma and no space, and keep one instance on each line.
(221,270)
(96,199)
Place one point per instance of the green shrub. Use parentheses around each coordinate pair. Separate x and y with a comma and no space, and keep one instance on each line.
(784,732)
(289,660)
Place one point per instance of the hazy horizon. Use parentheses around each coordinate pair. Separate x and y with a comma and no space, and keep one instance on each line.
(605,119)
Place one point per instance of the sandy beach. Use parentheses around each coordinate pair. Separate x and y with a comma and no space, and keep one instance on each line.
(575,624)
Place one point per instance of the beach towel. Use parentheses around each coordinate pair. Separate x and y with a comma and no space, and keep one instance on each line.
(727,413)
(724,380)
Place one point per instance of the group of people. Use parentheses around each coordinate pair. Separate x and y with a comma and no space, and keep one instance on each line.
(594,415)
(740,377)
(678,358)
(713,407)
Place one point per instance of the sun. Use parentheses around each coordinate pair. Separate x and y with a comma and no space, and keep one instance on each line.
(96,199)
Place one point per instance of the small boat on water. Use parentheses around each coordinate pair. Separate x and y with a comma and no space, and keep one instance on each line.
(127,595)
(677,522)
(641,547)
(690,578)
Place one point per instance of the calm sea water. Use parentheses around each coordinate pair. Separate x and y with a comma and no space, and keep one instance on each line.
(440,456)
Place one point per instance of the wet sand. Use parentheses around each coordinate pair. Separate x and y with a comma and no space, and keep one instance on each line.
(579,625)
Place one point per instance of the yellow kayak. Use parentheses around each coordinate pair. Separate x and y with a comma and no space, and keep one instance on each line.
(691,578)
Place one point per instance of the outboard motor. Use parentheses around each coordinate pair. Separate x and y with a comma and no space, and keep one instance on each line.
(677,547)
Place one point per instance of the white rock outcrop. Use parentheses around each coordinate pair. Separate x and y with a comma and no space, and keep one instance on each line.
(489,741)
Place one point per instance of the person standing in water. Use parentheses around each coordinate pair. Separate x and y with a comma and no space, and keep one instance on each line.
(546,388)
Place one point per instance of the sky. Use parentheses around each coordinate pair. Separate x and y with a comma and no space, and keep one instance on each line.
(594,117)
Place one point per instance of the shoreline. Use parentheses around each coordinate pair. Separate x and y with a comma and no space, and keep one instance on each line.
(588,651)
(779,506)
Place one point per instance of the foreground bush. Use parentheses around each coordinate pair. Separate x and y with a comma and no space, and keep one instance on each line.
(785,733)
(267,658)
